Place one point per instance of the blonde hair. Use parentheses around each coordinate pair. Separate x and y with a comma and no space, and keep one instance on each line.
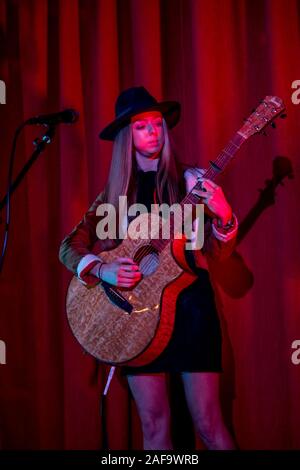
(123,170)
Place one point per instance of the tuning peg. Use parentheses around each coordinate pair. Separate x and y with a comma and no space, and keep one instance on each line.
(283,116)
(273,125)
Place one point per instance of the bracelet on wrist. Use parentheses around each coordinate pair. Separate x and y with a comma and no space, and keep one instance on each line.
(228,225)
(101,263)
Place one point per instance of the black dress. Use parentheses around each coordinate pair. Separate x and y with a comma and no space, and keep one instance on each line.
(196,342)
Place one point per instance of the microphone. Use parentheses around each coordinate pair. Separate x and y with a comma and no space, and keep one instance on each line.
(68,116)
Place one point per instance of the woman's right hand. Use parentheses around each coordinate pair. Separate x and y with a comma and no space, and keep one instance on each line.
(122,272)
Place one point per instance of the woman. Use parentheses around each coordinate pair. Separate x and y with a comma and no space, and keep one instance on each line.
(143,168)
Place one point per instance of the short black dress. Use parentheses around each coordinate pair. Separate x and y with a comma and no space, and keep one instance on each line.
(196,342)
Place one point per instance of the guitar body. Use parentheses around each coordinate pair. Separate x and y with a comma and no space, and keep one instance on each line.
(111,334)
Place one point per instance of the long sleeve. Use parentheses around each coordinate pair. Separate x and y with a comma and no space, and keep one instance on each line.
(79,250)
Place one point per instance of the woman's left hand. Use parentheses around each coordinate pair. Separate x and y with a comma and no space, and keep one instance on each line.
(215,200)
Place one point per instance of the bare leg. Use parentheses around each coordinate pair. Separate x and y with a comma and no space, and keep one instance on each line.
(150,395)
(202,394)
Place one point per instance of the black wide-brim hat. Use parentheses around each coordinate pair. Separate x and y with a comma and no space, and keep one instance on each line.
(137,100)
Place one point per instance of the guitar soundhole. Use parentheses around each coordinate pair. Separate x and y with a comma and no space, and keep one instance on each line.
(148,259)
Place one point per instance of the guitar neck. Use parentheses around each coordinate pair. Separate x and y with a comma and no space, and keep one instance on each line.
(269,109)
(215,169)
(223,159)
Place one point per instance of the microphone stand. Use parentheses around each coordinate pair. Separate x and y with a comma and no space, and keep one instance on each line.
(40,144)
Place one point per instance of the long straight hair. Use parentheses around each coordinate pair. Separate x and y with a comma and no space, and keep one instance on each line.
(123,170)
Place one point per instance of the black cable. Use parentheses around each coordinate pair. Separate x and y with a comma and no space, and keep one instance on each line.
(7,199)
(40,144)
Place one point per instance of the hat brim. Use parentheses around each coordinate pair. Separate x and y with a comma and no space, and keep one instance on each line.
(169,109)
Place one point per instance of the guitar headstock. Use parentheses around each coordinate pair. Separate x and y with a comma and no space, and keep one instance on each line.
(269,109)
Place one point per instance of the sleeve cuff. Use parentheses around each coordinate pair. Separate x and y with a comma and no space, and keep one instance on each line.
(225,235)
(83,268)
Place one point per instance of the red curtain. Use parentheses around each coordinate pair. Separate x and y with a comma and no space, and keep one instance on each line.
(219,59)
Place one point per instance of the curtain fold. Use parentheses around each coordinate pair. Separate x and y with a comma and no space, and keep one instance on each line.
(219,59)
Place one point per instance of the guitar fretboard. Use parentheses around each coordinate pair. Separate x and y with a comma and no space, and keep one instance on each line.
(215,169)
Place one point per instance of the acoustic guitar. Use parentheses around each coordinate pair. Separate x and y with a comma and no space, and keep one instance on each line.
(133,326)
